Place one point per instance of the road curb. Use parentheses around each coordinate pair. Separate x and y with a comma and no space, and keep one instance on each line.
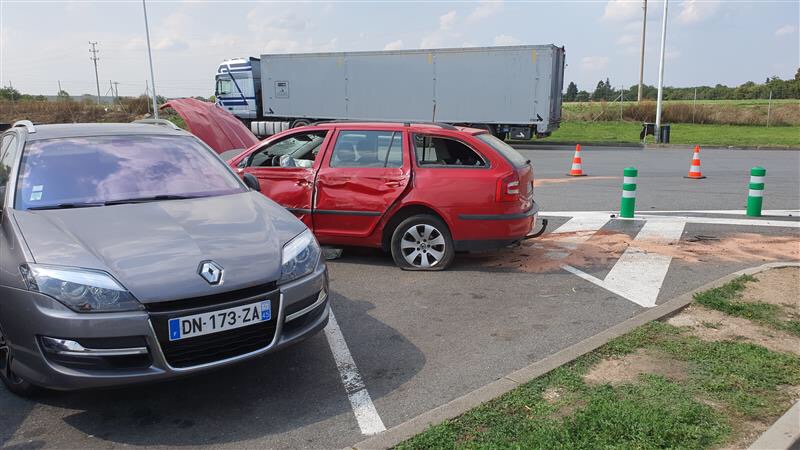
(783,434)
(460,405)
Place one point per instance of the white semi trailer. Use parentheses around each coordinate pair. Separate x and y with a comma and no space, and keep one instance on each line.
(512,91)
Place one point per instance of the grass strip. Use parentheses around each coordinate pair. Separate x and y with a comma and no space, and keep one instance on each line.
(681,133)
(728,299)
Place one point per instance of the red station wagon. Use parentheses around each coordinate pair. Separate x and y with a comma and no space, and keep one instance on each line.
(421,191)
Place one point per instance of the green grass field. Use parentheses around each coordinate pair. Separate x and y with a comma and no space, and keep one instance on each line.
(681,133)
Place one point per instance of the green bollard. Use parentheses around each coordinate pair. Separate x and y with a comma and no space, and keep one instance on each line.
(628,204)
(755,196)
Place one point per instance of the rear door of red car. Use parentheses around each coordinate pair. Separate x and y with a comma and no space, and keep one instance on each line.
(364,174)
(289,184)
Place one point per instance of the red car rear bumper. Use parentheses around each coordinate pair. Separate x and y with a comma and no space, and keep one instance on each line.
(490,231)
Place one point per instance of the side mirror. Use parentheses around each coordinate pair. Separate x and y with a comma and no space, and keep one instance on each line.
(252,182)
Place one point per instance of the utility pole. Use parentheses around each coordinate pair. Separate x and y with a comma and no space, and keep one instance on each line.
(150,57)
(641,60)
(147,94)
(116,89)
(94,59)
(59,87)
(661,72)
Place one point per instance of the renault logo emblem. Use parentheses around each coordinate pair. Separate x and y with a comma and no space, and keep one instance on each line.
(211,272)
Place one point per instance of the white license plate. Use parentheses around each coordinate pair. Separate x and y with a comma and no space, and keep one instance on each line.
(222,320)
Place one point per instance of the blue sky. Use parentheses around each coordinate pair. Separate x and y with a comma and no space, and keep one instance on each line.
(708,42)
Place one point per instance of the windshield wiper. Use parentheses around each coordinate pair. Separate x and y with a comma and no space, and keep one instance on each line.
(155,198)
(64,206)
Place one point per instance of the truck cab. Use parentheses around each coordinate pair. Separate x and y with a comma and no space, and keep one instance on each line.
(238,87)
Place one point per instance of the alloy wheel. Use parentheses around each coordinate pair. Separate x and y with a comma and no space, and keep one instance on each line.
(5,361)
(423,246)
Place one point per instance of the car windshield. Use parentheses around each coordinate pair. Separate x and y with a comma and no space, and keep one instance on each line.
(92,171)
(504,149)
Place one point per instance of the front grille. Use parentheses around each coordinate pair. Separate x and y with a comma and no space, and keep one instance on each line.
(216,346)
(210,300)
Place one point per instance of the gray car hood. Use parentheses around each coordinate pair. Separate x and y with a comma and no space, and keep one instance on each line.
(154,249)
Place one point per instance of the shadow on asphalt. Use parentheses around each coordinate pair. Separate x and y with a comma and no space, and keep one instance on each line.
(275,394)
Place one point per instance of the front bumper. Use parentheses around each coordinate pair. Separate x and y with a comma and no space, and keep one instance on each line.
(301,313)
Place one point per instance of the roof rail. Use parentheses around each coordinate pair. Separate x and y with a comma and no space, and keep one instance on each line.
(25,123)
(444,126)
(162,122)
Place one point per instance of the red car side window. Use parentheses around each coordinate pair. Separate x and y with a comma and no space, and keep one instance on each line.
(435,151)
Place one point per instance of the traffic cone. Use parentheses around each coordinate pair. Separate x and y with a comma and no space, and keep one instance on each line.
(694,169)
(576,170)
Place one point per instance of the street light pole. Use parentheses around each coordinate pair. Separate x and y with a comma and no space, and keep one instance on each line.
(661,72)
(641,60)
(150,57)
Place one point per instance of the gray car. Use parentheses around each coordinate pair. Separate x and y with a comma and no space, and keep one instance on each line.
(132,253)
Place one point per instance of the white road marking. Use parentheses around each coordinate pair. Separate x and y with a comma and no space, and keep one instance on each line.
(581,228)
(638,275)
(588,215)
(367,416)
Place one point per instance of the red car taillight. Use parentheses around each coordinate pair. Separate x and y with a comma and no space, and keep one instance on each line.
(508,188)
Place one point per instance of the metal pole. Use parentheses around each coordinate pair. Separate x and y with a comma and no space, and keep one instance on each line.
(150,57)
(94,58)
(147,94)
(769,107)
(661,72)
(641,60)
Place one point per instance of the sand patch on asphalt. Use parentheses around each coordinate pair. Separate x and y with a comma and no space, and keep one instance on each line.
(549,252)
(712,325)
(627,369)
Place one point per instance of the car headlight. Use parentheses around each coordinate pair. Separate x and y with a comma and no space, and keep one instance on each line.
(300,257)
(81,290)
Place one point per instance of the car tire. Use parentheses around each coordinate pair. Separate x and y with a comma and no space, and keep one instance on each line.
(300,123)
(13,383)
(422,242)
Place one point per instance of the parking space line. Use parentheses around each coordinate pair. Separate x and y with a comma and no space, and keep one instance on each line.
(367,416)
(638,275)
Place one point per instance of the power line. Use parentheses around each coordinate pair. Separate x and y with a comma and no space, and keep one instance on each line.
(94,59)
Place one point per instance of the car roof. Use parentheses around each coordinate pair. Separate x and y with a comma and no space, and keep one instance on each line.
(55,131)
(384,125)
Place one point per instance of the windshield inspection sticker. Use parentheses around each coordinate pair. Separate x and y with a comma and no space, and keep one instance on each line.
(36,194)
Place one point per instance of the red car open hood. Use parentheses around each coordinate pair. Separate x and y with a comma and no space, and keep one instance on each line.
(213,125)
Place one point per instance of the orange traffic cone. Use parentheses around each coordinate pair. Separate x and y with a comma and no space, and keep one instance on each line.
(694,169)
(576,170)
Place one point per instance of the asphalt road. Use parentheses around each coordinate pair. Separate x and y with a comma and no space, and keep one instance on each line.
(422,339)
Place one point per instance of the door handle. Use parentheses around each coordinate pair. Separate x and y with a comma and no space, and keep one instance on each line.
(303,183)
(394,183)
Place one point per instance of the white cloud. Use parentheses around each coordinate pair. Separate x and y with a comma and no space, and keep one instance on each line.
(485,9)
(505,39)
(694,11)
(594,63)
(394,45)
(622,10)
(785,30)
(447,20)
(432,40)
(627,39)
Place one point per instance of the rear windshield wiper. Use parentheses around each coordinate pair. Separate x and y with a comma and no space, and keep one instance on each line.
(155,198)
(64,206)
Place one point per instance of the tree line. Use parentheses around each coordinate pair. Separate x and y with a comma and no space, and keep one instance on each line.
(781,89)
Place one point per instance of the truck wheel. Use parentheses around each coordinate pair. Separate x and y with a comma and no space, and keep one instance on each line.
(13,382)
(422,242)
(300,123)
